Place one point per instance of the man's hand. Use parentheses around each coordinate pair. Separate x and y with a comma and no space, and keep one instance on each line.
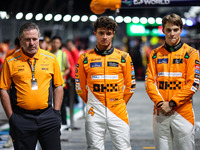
(6,103)
(165,108)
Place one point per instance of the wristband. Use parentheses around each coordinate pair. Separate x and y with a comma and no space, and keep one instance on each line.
(172,104)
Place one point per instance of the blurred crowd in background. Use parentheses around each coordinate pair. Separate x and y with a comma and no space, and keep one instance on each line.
(139,49)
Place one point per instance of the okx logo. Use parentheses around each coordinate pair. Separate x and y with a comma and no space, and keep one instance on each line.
(107,88)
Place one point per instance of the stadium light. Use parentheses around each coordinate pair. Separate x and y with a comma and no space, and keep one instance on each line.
(19,15)
(67,18)
(39,17)
(57,17)
(48,17)
(75,18)
(84,18)
(29,16)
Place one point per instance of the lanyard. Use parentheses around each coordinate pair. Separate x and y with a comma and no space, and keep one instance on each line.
(32,68)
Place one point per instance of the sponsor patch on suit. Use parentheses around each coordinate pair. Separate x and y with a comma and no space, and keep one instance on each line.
(162,61)
(112,64)
(177,61)
(95,64)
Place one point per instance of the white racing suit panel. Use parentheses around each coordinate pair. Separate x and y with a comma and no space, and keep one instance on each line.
(182,132)
(101,120)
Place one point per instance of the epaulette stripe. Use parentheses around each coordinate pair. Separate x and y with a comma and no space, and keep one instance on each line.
(14,58)
(123,60)
(154,55)
(85,61)
(47,55)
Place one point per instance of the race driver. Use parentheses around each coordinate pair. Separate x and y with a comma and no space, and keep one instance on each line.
(100,78)
(172,77)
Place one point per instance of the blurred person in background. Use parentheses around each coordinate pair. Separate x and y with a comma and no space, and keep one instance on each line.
(70,79)
(34,79)
(172,77)
(73,50)
(4,49)
(136,56)
(17,46)
(56,44)
(44,43)
(71,62)
(101,75)
(8,142)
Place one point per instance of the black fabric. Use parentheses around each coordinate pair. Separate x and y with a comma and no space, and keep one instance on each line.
(26,129)
(13,94)
(104,52)
(173,48)
(50,92)
(36,112)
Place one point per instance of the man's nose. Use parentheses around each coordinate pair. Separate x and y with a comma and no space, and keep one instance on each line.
(31,42)
(172,32)
(105,36)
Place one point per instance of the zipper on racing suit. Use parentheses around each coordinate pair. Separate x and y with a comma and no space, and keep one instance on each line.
(106,108)
(169,63)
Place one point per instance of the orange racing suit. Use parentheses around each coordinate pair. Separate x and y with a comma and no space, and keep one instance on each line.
(173,75)
(100,77)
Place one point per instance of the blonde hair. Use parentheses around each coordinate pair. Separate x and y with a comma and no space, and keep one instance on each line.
(173,19)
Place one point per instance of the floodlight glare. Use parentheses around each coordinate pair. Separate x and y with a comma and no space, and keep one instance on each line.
(159,20)
(151,20)
(135,20)
(29,16)
(143,20)
(67,18)
(19,15)
(93,18)
(111,17)
(183,20)
(3,14)
(39,16)
(127,19)
(84,18)
(75,18)
(119,19)
(57,17)
(48,17)
(189,22)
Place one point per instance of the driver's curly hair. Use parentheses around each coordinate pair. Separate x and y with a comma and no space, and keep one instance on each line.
(105,22)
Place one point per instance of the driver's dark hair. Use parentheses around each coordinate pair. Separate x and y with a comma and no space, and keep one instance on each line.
(105,22)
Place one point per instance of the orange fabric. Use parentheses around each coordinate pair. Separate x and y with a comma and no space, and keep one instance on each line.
(105,77)
(174,76)
(10,52)
(17,71)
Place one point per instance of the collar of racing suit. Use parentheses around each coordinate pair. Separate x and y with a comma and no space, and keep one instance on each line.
(173,48)
(104,52)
